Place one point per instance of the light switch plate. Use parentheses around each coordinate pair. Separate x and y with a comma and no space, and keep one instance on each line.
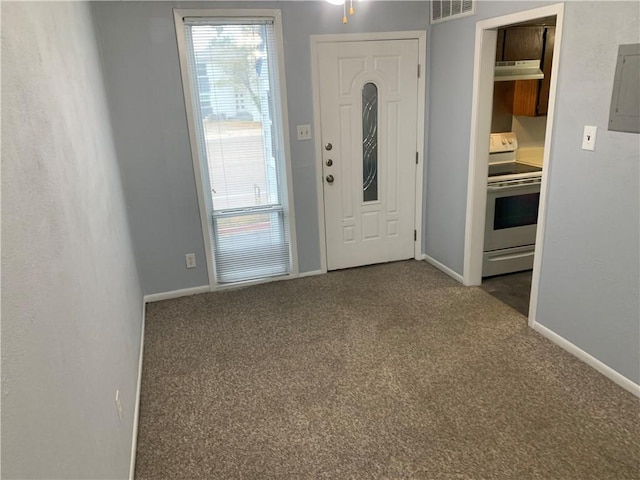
(303,132)
(589,137)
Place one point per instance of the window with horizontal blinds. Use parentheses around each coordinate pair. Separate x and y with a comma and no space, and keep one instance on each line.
(233,70)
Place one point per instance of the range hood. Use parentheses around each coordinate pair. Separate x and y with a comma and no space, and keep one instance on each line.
(518,70)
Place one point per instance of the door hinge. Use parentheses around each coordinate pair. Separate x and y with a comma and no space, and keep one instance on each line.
(415,235)
(418,70)
(416,158)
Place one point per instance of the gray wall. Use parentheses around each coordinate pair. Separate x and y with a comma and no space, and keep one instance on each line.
(450,96)
(71,300)
(590,283)
(142,74)
(582,266)
(590,278)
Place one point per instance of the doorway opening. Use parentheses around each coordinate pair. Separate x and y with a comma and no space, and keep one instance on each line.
(515,76)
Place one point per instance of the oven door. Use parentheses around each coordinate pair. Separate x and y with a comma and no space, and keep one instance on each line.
(512,215)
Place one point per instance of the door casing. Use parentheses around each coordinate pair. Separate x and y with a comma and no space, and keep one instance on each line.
(481,108)
(419,35)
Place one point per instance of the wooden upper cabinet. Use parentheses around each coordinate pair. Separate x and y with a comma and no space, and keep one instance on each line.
(500,45)
(525,98)
(523,43)
(530,97)
(547,59)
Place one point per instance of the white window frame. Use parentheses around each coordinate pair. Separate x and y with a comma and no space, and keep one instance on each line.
(275,16)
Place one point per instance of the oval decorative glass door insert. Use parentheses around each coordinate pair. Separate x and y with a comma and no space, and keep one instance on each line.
(370,142)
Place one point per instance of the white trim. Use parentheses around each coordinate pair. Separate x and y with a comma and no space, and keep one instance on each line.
(260,281)
(185,292)
(480,115)
(419,35)
(593,362)
(420,125)
(158,297)
(276,16)
(317,134)
(248,283)
(286,140)
(270,13)
(484,61)
(136,411)
(178,16)
(544,197)
(443,268)
(311,273)
(367,36)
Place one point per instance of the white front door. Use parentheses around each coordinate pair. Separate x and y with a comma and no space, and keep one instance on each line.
(368,111)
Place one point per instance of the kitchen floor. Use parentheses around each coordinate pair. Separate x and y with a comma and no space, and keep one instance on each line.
(513,289)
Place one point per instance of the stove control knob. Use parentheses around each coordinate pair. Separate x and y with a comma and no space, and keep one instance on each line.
(510,141)
(504,141)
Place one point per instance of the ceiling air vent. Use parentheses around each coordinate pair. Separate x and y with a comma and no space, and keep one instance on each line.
(443,10)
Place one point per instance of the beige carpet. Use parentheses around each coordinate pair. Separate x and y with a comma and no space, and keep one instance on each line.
(387,372)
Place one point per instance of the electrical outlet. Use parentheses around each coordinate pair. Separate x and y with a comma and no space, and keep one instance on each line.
(589,138)
(304,132)
(119,406)
(191,260)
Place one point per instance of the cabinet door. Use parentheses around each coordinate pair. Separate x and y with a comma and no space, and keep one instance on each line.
(545,83)
(502,115)
(525,98)
(500,45)
(523,43)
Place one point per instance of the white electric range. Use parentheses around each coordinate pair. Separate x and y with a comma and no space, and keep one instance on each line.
(513,196)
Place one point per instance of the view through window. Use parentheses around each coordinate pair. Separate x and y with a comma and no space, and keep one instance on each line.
(234,79)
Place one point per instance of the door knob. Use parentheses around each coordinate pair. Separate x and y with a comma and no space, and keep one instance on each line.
(329,178)
(329,162)
(328,146)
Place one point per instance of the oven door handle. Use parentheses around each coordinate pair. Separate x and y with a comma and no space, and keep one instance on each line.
(502,188)
(513,256)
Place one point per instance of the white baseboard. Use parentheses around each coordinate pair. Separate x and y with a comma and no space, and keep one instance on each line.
(185,292)
(311,273)
(156,297)
(593,362)
(441,267)
(136,412)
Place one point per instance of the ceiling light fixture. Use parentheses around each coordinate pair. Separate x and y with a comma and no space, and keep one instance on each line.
(344,7)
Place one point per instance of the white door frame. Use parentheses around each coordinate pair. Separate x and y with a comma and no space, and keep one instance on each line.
(316,40)
(484,61)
